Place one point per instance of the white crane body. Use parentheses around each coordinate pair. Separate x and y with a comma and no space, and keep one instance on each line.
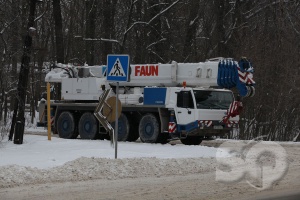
(183,100)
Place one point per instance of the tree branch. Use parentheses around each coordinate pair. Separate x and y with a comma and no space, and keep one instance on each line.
(153,18)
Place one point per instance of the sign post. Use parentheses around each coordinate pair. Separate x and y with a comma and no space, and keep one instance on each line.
(117,71)
(48,111)
(116,122)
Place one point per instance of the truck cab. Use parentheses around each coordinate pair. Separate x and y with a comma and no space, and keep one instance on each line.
(199,111)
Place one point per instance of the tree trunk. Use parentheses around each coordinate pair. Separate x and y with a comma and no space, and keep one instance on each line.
(155,48)
(2,94)
(220,28)
(91,11)
(5,109)
(108,24)
(191,28)
(59,40)
(139,50)
(23,78)
(14,50)
(33,91)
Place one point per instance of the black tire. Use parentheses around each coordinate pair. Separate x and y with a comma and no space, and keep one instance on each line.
(88,126)
(149,128)
(66,126)
(191,140)
(123,127)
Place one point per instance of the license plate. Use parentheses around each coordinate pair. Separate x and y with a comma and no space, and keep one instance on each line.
(218,127)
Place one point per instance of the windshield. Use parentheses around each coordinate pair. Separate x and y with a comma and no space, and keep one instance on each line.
(213,99)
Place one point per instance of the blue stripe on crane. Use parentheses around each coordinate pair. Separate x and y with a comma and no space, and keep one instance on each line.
(155,96)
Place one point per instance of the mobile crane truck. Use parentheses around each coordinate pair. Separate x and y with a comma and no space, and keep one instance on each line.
(186,101)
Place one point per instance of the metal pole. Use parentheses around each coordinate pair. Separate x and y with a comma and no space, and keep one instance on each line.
(48,111)
(116,122)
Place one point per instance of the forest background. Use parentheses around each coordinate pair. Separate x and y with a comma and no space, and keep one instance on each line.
(152,31)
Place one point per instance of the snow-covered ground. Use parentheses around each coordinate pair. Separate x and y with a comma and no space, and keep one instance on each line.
(38,151)
(71,168)
(39,160)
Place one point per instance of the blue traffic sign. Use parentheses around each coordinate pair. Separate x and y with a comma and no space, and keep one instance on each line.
(117,68)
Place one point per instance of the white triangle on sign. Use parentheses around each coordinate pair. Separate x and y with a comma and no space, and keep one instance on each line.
(117,69)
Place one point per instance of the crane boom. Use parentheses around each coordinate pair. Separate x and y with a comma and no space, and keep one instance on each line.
(219,72)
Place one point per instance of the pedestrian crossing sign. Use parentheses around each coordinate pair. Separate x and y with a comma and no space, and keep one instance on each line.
(117,68)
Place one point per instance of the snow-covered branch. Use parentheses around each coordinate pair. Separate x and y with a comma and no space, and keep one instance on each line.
(293,25)
(135,23)
(110,40)
(39,17)
(193,21)
(261,8)
(154,53)
(8,24)
(154,43)
(163,11)
(152,19)
(158,4)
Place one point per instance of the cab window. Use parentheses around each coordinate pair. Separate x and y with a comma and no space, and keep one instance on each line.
(185,99)
(213,99)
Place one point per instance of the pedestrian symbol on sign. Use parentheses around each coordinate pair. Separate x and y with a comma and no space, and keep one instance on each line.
(117,69)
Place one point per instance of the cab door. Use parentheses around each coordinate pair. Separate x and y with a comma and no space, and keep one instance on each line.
(185,108)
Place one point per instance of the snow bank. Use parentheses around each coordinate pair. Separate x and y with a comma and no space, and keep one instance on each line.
(59,160)
(37,151)
(38,160)
(103,168)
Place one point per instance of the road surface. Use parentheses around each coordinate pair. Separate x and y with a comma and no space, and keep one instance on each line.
(175,186)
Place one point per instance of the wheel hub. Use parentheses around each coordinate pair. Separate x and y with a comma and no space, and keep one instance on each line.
(65,125)
(87,126)
(149,129)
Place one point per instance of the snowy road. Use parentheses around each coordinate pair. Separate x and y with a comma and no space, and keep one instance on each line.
(145,171)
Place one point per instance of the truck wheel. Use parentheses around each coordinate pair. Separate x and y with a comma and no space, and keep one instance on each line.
(191,140)
(123,127)
(87,126)
(149,128)
(66,125)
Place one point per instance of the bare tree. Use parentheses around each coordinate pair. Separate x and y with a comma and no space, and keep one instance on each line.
(59,39)
(191,30)
(23,78)
(266,31)
(91,13)
(108,9)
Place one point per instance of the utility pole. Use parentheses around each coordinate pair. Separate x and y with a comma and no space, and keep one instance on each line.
(18,122)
